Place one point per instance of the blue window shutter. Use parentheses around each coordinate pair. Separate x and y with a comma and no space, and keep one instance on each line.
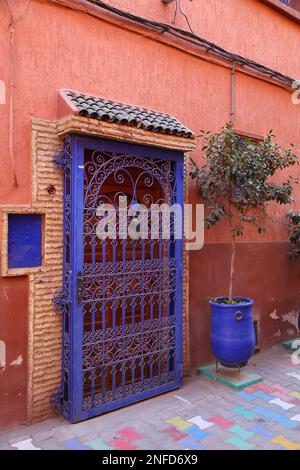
(24,240)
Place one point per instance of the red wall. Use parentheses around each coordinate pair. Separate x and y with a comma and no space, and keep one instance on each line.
(14,333)
(54,47)
(261,273)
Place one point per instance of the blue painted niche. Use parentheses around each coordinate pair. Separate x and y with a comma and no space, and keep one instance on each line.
(24,240)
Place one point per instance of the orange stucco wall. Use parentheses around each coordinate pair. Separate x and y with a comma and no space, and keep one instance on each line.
(49,56)
(53,47)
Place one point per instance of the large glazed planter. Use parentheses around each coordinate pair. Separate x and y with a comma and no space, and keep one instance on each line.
(232,332)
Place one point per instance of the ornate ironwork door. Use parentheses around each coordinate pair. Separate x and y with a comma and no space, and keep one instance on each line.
(122,325)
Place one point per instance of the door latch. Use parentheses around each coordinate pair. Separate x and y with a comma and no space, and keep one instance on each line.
(79,287)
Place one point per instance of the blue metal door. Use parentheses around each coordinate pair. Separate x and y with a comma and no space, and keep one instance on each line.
(122,302)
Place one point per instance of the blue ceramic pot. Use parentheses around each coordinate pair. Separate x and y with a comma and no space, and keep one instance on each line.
(232,332)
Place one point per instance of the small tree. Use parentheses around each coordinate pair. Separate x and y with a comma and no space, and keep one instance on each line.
(235,181)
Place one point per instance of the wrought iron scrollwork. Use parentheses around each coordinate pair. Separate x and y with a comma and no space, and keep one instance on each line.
(63,155)
(61,300)
(129,342)
(56,399)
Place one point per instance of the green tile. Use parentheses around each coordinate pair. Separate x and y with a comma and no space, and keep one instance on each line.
(244,412)
(242,432)
(236,441)
(231,377)
(97,444)
(289,344)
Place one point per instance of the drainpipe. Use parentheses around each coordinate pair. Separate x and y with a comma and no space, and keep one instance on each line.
(11,94)
(232,83)
(12,76)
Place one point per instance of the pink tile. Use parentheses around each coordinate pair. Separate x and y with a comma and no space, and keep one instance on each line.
(283,397)
(175,433)
(259,386)
(221,422)
(281,388)
(121,444)
(129,434)
(264,388)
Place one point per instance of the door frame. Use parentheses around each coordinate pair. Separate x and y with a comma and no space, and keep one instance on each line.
(78,145)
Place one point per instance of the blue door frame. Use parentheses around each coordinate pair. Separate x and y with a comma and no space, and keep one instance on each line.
(79,402)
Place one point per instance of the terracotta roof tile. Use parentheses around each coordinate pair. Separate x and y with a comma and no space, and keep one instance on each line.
(103,109)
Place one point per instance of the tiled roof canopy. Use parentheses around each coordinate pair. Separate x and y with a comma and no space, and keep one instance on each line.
(106,110)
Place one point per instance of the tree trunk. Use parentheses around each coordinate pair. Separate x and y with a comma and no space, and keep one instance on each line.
(232,266)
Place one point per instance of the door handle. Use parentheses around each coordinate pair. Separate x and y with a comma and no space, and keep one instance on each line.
(79,287)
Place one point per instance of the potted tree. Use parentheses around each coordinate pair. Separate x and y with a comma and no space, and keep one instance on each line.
(235,182)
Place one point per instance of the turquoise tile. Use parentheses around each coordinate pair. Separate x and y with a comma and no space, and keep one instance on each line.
(236,441)
(244,412)
(97,444)
(243,433)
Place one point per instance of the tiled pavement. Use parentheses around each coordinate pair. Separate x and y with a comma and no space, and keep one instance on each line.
(201,415)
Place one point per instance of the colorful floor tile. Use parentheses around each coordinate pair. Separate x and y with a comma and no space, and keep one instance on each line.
(204,415)
(283,404)
(223,423)
(296,418)
(261,430)
(196,433)
(287,423)
(121,444)
(244,412)
(286,443)
(291,345)
(191,444)
(281,388)
(200,422)
(175,433)
(240,443)
(179,423)
(97,444)
(26,444)
(129,434)
(75,444)
(294,374)
(260,386)
(241,432)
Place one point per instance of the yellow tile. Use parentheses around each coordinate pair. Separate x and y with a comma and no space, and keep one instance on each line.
(282,441)
(179,423)
(295,395)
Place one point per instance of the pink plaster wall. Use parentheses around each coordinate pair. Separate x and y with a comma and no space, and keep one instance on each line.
(49,56)
(56,48)
(247,27)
